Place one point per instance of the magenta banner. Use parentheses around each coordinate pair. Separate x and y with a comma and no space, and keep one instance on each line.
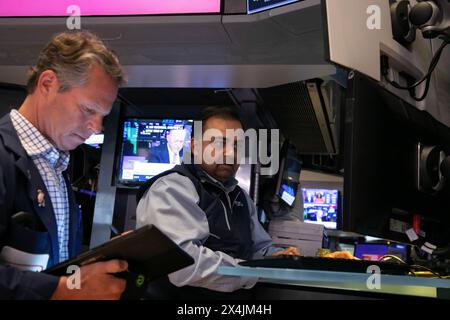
(36,8)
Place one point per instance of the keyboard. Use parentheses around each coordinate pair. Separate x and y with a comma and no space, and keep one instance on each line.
(326,264)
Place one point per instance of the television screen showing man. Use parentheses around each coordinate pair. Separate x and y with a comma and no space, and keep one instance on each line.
(171,151)
(151,146)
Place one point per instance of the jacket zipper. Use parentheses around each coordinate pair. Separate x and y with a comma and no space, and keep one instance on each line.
(223,205)
(229,202)
(226,215)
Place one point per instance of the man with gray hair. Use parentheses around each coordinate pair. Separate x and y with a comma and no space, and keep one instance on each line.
(71,88)
(172,152)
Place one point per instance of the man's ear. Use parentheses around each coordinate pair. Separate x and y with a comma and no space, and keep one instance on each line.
(48,82)
(193,146)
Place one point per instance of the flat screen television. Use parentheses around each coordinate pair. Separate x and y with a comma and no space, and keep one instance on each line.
(151,146)
(320,206)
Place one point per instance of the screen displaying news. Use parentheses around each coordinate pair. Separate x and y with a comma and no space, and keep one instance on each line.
(320,206)
(150,147)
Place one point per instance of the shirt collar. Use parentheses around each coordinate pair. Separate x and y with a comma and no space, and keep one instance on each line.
(229,185)
(35,144)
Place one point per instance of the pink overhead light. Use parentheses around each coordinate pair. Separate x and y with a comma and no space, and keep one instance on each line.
(36,8)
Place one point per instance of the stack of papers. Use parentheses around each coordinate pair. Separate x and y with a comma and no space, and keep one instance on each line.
(306,237)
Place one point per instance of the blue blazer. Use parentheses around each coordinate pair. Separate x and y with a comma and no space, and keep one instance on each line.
(160,154)
(19,182)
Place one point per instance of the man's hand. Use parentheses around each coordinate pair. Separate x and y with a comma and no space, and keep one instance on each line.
(291,251)
(97,282)
(340,255)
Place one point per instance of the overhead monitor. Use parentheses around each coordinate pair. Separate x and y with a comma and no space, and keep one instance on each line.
(151,146)
(62,8)
(254,6)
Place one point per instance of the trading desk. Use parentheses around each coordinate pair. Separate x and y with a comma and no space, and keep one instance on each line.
(354,283)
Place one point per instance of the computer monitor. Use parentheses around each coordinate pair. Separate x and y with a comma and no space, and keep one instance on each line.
(289,173)
(371,251)
(385,163)
(278,192)
(399,250)
(320,206)
(151,146)
(375,251)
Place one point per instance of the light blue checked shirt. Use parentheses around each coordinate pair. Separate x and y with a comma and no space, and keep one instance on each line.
(50,163)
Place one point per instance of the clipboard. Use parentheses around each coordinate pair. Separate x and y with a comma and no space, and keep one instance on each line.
(147,250)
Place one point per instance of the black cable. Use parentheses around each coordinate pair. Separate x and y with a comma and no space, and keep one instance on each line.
(427,77)
(418,266)
(433,64)
(413,267)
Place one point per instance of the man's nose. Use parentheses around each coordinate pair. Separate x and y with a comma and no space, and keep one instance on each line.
(229,153)
(96,124)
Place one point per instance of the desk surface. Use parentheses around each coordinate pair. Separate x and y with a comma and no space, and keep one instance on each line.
(386,284)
